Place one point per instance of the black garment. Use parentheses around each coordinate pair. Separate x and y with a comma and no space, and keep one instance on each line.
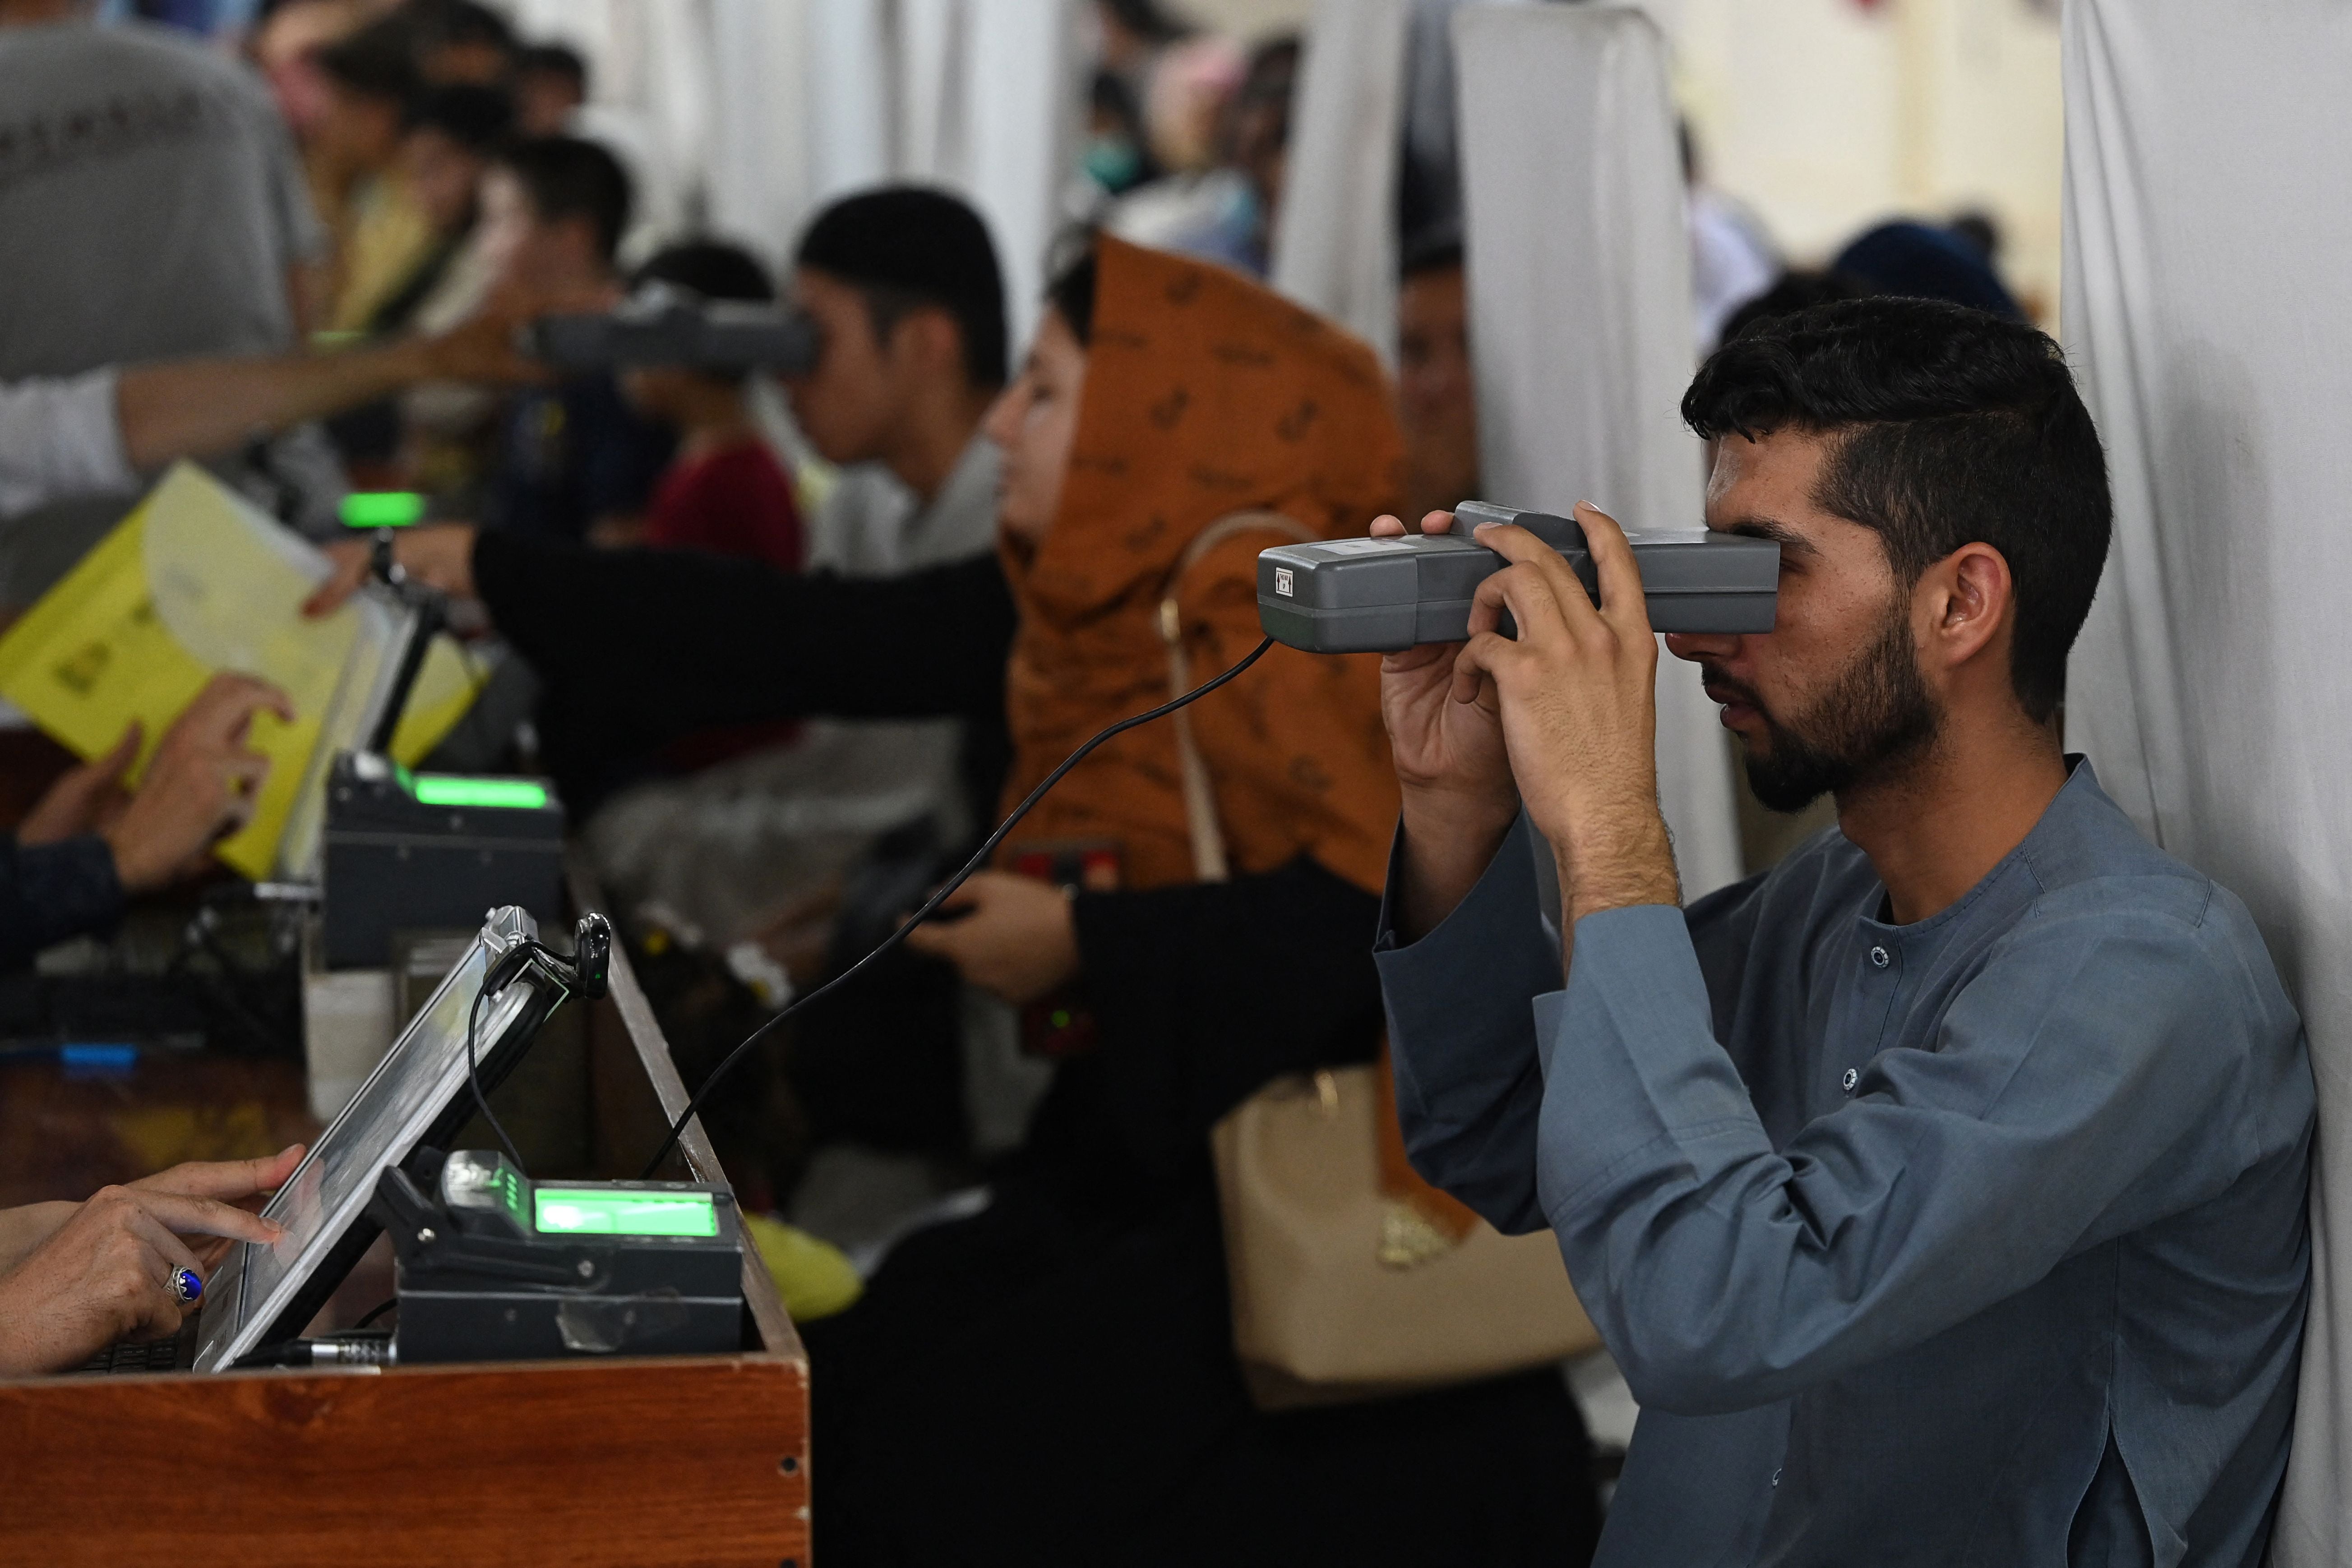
(574,452)
(51,892)
(1054,1381)
(639,648)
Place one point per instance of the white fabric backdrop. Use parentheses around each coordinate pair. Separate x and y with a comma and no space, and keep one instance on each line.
(2207,314)
(742,116)
(1580,326)
(1335,251)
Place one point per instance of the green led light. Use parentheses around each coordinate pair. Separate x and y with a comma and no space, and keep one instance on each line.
(382,509)
(599,1212)
(457,789)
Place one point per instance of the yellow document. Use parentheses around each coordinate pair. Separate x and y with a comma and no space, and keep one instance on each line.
(197,580)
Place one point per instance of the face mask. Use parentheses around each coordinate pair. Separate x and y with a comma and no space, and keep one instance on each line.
(1113,162)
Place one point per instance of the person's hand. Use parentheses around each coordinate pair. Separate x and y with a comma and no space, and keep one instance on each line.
(1576,698)
(1452,769)
(483,351)
(202,782)
(241,1185)
(86,800)
(105,1273)
(1017,939)
(438,555)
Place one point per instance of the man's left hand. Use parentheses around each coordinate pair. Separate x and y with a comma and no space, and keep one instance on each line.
(1576,696)
(1015,937)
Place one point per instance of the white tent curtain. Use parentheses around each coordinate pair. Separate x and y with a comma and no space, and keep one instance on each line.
(743,116)
(1579,321)
(2205,314)
(1335,250)
(762,176)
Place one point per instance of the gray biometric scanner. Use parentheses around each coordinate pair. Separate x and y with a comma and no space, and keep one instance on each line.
(1368,595)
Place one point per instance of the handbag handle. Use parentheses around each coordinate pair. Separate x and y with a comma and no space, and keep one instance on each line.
(1208,861)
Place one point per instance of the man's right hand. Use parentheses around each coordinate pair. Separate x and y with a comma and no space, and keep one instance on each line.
(438,555)
(106,1274)
(1452,767)
(203,781)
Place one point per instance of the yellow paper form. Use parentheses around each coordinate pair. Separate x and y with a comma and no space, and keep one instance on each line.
(197,580)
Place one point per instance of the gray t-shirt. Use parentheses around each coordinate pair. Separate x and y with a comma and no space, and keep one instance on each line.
(151,202)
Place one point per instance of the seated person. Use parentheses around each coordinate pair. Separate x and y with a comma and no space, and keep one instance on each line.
(1060,1370)
(86,845)
(1941,1191)
(575,458)
(904,285)
(725,492)
(77,1277)
(910,306)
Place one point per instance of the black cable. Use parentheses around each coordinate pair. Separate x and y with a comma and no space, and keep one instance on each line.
(930,905)
(376,1311)
(474,1077)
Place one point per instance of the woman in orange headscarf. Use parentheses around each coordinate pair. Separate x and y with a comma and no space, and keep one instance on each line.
(1055,1380)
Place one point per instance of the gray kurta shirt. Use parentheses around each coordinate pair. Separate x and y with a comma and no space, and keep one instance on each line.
(1976,1240)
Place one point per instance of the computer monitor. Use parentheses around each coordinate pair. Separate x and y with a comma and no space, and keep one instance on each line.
(417,1095)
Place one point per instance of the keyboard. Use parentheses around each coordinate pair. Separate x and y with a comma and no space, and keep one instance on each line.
(175,1354)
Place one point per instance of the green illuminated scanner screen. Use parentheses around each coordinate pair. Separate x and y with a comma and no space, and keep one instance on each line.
(589,1211)
(457,789)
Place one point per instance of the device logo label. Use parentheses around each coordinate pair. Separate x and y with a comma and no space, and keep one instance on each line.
(1282,580)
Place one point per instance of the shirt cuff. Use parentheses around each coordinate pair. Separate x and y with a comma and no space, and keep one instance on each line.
(65,889)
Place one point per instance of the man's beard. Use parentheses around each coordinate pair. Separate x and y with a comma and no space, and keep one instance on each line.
(1876,716)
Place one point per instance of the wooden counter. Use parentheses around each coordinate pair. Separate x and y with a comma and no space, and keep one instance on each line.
(630,1463)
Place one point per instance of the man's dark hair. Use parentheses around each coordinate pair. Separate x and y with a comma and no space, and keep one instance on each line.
(566,177)
(1950,426)
(709,268)
(553,59)
(475,118)
(379,61)
(468,24)
(908,246)
(1793,291)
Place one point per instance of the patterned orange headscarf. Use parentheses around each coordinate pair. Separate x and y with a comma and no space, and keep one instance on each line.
(1205,396)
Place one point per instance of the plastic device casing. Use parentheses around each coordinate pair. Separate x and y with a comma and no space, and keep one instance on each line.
(1368,595)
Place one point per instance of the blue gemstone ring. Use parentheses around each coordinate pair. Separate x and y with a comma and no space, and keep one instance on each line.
(186,1288)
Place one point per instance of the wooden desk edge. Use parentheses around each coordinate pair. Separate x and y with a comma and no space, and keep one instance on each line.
(775,1325)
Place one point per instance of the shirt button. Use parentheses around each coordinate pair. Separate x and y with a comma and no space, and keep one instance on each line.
(1878,958)
(1853,1076)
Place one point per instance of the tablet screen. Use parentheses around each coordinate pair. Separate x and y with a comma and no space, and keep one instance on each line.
(385,1120)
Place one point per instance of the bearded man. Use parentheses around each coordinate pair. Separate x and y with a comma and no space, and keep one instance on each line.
(1941,1191)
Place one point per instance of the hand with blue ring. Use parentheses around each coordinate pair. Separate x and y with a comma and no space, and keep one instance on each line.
(129,1263)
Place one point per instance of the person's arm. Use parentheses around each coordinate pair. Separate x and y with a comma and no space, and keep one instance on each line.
(2108,1067)
(196,407)
(86,845)
(51,892)
(679,640)
(1462,1036)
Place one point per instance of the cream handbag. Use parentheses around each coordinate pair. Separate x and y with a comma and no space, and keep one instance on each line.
(1351,1277)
